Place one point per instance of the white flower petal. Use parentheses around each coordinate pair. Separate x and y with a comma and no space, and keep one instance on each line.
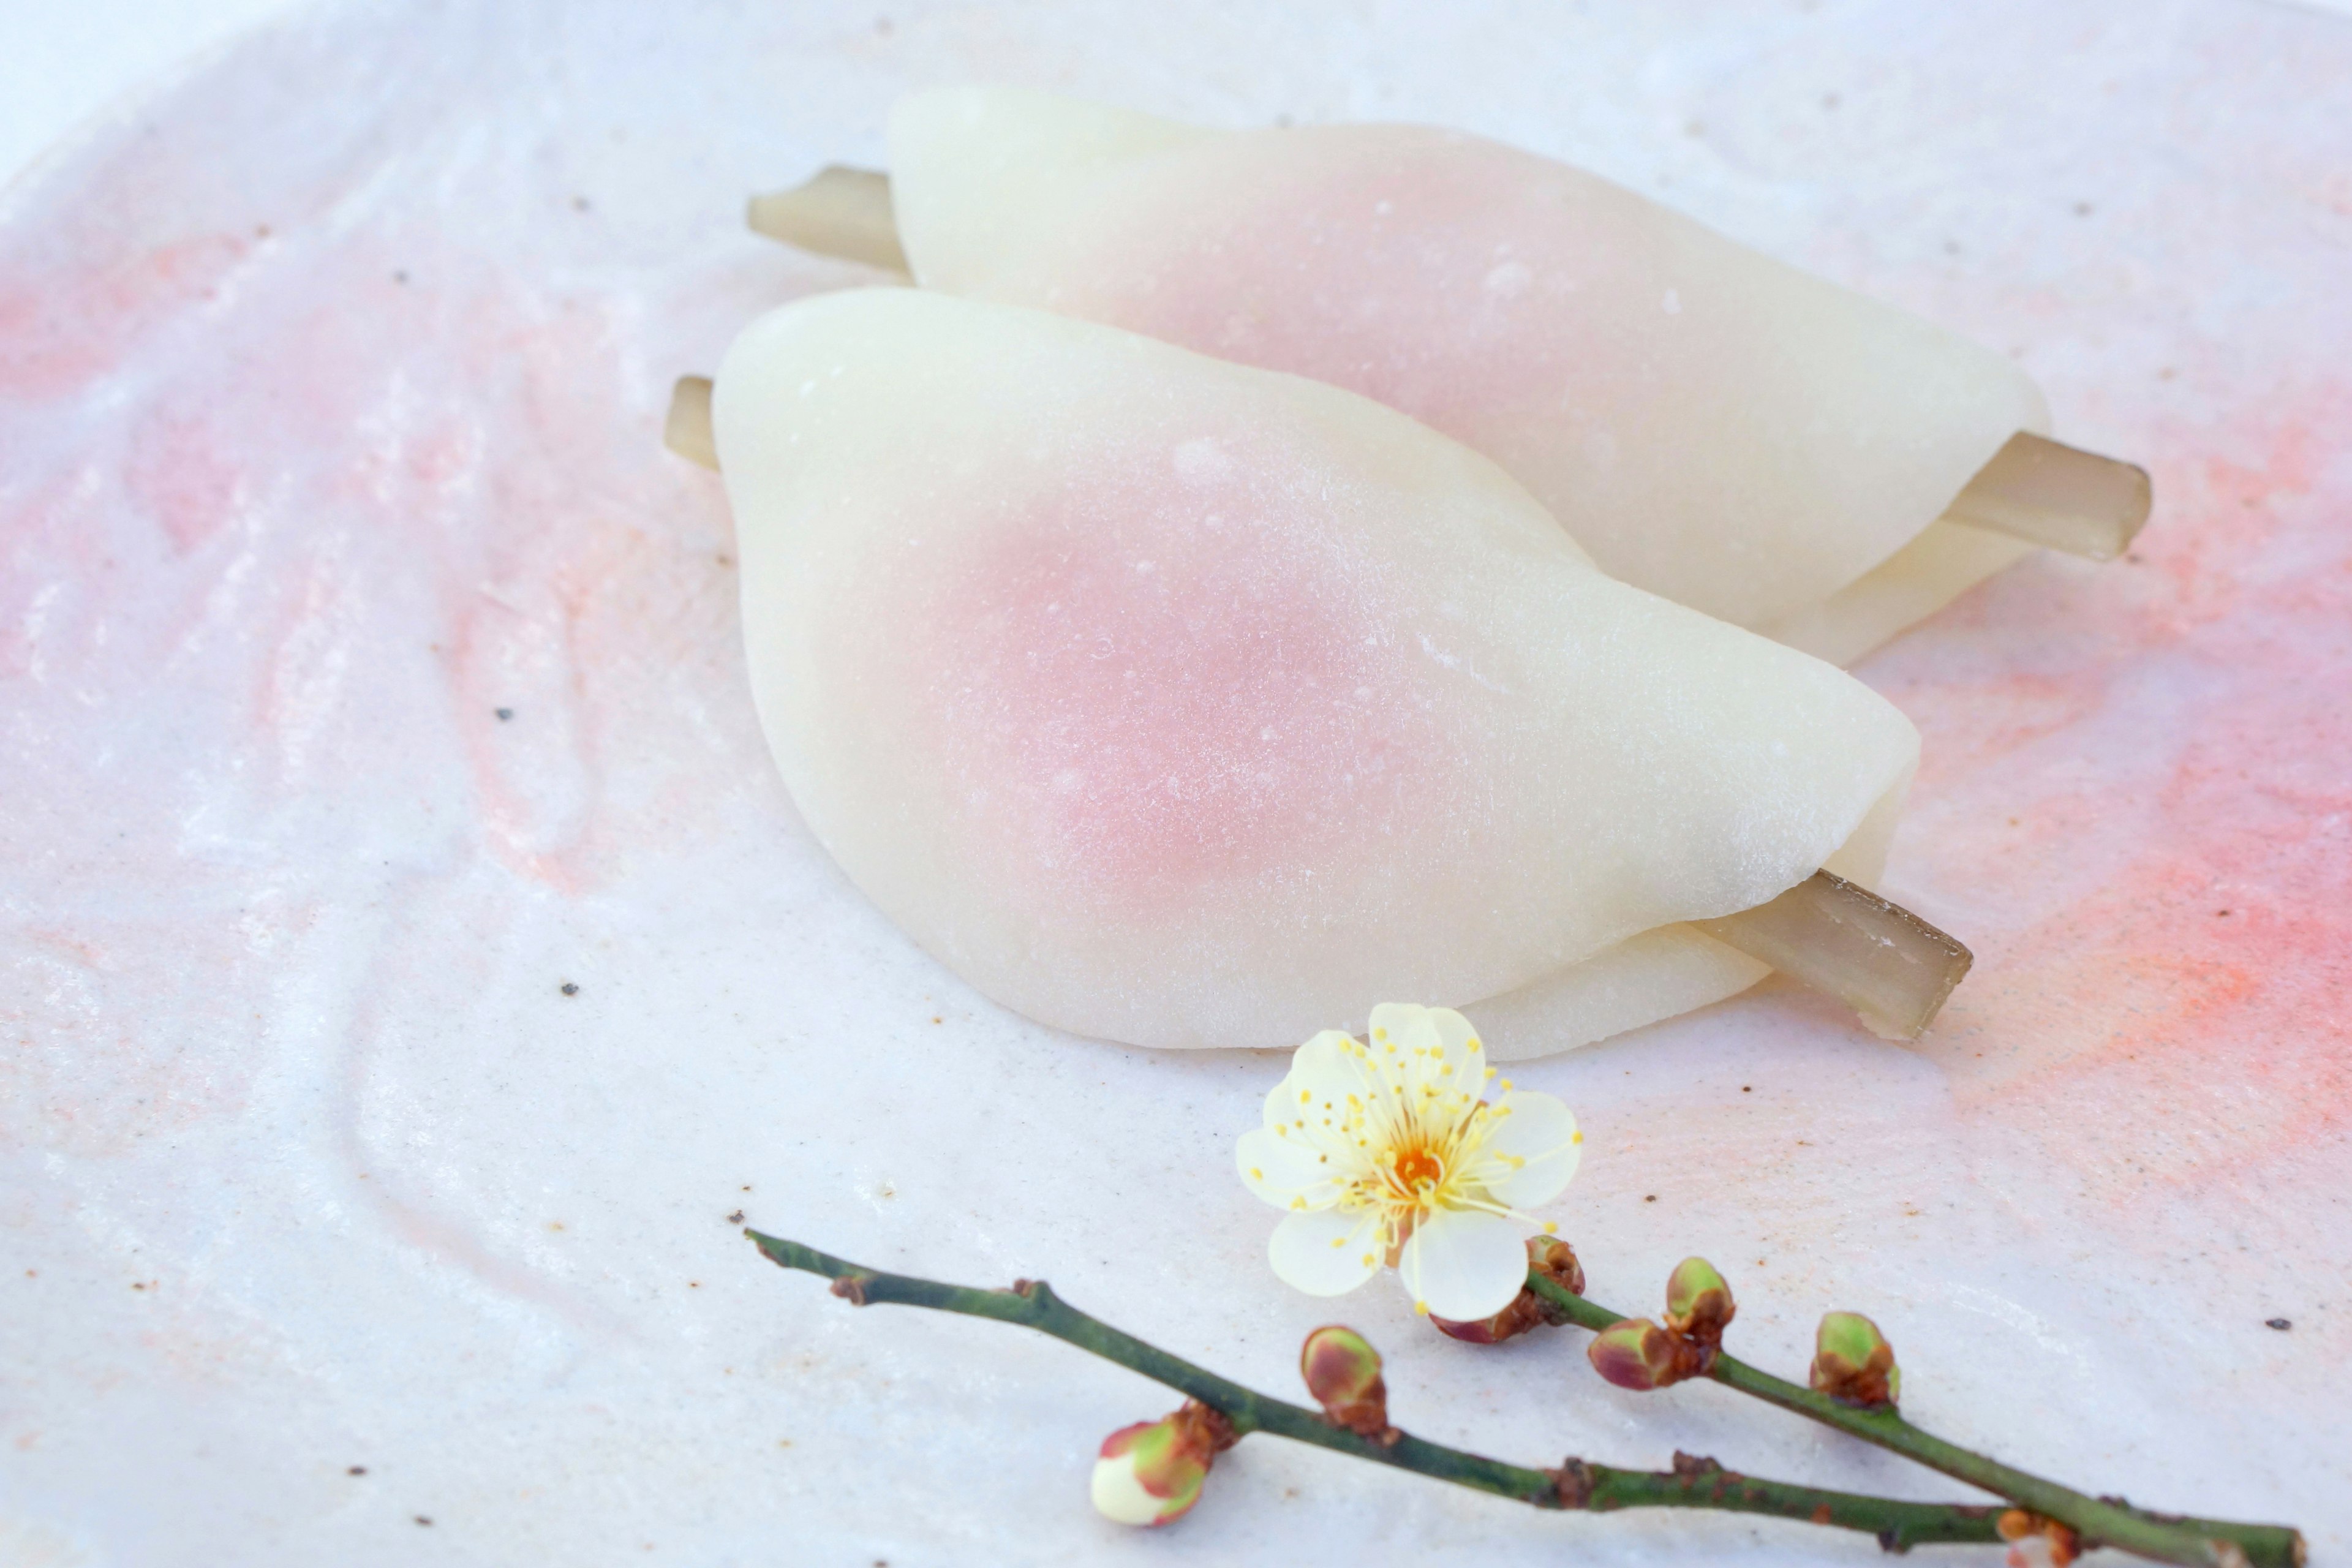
(1328,1064)
(1320,1105)
(1326,1252)
(1287,1172)
(1427,1057)
(1398,1023)
(1465,1054)
(1404,1042)
(1532,1151)
(1462,1264)
(1119,1495)
(1323,1073)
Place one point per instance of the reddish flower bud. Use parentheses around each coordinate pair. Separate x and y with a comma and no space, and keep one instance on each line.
(1636,1354)
(1556,1260)
(1853,1363)
(1547,1255)
(1698,1302)
(1152,1472)
(2062,1543)
(1343,1372)
(1513,1321)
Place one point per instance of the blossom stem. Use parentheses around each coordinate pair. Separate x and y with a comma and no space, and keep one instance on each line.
(1575,1485)
(2164,1538)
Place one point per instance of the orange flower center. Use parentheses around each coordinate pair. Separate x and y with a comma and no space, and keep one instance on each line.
(1415,1166)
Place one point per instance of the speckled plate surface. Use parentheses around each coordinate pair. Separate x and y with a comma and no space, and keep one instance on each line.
(368,676)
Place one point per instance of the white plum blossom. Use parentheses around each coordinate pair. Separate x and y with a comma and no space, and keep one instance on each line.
(1387,1151)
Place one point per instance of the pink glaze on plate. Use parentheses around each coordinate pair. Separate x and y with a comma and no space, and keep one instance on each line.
(286,907)
(2187,974)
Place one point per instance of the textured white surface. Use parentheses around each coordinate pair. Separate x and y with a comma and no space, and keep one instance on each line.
(329,397)
(64,62)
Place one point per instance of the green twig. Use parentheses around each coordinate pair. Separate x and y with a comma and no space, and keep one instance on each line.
(2112,1523)
(1577,1484)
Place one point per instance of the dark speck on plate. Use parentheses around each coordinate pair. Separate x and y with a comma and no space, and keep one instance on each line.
(2281,1324)
(570,989)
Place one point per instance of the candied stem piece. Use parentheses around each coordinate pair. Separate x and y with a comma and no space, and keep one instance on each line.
(841,212)
(2060,496)
(1886,962)
(687,431)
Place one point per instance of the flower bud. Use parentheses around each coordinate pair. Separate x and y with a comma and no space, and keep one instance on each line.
(1343,1372)
(1509,1323)
(1853,1364)
(1636,1354)
(1152,1472)
(2033,1538)
(1698,1302)
(1547,1255)
(1556,1261)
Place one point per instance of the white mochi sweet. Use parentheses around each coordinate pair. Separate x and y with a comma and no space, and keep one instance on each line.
(1710,424)
(1180,703)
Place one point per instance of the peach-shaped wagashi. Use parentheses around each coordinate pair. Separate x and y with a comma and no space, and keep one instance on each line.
(1182,703)
(1713,424)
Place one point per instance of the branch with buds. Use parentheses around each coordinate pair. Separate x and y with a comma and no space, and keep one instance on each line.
(1854,1385)
(1154,1472)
